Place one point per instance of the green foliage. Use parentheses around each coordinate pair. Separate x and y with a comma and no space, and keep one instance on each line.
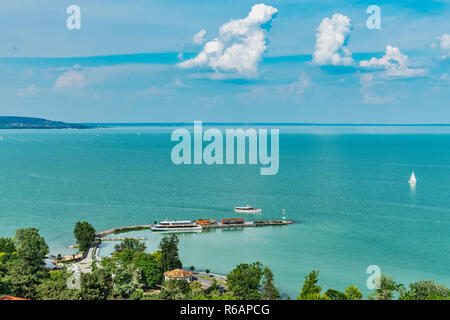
(335,295)
(130,244)
(7,245)
(175,290)
(127,280)
(353,293)
(244,281)
(151,268)
(169,249)
(84,234)
(425,290)
(310,288)
(55,287)
(96,285)
(387,288)
(269,290)
(31,247)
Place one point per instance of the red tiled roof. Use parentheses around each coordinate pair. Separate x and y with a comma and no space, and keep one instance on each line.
(178,273)
(11,298)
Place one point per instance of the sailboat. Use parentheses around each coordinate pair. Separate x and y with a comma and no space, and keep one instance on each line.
(412,180)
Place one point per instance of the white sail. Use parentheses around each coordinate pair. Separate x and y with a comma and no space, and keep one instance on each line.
(412,180)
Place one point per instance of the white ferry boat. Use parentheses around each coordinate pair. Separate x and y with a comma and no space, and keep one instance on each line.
(246,209)
(174,226)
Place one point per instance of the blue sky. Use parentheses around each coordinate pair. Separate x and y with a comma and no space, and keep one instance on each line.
(282,61)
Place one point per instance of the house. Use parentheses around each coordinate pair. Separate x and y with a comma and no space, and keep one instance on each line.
(178,274)
(11,298)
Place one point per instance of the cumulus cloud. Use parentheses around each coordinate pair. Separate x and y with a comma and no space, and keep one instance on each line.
(395,64)
(331,42)
(31,90)
(239,47)
(444,45)
(71,79)
(199,38)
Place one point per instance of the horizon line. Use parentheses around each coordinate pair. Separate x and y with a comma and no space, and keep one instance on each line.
(287,124)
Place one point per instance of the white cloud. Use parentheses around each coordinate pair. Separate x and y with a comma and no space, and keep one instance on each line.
(239,47)
(444,45)
(395,64)
(199,38)
(31,90)
(71,79)
(331,40)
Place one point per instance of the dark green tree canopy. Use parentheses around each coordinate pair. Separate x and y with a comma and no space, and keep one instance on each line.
(170,258)
(130,244)
(31,247)
(7,245)
(84,234)
(245,281)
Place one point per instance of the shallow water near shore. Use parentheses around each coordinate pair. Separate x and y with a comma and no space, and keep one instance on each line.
(348,194)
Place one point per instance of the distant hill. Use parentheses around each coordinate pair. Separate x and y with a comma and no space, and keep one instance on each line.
(38,123)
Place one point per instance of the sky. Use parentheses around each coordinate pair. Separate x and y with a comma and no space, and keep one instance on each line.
(226,61)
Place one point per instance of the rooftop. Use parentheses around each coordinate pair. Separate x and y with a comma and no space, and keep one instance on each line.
(178,273)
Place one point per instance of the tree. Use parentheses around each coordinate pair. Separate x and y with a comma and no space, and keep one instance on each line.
(269,290)
(31,247)
(26,269)
(7,245)
(353,293)
(151,269)
(192,268)
(244,281)
(55,287)
(130,244)
(425,290)
(335,294)
(169,248)
(96,285)
(310,286)
(84,234)
(127,280)
(386,289)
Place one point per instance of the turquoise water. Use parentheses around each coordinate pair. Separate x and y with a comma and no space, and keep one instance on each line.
(347,193)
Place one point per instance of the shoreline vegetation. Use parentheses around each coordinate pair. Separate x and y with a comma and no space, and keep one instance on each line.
(39,123)
(131,273)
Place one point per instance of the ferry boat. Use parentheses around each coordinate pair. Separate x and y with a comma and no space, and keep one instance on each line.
(177,225)
(246,209)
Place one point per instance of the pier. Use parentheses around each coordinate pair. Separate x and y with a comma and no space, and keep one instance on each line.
(205,224)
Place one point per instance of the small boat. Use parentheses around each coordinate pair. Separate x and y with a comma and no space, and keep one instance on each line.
(246,209)
(412,180)
(177,226)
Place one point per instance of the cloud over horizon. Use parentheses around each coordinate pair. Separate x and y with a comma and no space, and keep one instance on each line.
(238,49)
(395,64)
(331,42)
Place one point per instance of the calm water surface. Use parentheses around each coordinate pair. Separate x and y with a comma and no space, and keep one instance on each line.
(348,195)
